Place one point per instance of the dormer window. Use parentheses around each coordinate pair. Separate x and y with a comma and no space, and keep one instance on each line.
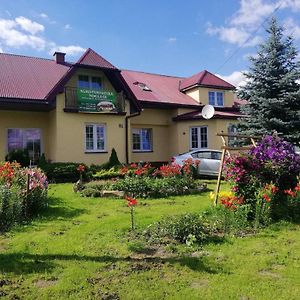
(216,98)
(142,86)
(89,82)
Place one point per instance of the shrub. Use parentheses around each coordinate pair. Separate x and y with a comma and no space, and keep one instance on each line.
(64,172)
(113,161)
(182,228)
(23,194)
(146,187)
(107,174)
(19,155)
(263,175)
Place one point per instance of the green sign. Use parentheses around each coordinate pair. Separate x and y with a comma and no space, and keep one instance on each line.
(96,100)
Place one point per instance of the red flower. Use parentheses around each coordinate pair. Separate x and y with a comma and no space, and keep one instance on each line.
(290,193)
(81,168)
(131,201)
(266,197)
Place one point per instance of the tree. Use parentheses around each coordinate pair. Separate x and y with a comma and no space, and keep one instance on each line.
(272,90)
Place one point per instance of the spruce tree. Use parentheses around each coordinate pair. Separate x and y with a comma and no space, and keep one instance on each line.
(272,90)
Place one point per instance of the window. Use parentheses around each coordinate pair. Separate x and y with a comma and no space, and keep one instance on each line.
(25,139)
(142,139)
(142,86)
(95,138)
(207,155)
(216,98)
(232,141)
(198,137)
(89,82)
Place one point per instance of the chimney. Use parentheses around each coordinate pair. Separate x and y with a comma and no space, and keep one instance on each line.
(59,57)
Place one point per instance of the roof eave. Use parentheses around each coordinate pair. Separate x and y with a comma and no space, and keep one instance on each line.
(207,86)
(152,104)
(25,104)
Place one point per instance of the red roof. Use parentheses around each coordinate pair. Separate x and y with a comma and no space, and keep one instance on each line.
(219,114)
(91,58)
(159,88)
(205,78)
(28,77)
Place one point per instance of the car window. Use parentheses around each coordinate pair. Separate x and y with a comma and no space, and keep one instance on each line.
(216,155)
(202,154)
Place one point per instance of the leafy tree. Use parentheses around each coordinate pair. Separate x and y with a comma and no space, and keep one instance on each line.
(272,90)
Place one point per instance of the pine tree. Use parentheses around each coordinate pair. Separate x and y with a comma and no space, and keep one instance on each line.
(272,91)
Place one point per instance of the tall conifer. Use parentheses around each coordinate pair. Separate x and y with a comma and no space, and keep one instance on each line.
(272,89)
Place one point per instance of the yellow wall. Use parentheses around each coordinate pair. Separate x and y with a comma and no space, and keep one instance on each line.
(70,135)
(214,126)
(200,94)
(23,119)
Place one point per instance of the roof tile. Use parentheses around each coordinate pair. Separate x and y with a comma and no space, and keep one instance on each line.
(163,89)
(28,77)
(91,58)
(205,78)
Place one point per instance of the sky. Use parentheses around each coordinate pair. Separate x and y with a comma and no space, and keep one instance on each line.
(171,37)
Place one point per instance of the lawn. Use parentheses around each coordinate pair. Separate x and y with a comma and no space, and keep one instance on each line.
(80,249)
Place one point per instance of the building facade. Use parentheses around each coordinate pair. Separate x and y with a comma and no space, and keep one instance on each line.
(78,112)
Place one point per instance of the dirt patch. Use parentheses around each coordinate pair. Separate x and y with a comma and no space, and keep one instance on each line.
(44,283)
(269,274)
(202,283)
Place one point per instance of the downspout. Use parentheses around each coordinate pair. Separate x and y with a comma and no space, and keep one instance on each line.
(127,135)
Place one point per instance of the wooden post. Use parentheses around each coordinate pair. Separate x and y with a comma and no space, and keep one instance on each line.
(219,177)
(227,149)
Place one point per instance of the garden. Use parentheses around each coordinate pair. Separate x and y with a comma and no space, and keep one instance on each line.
(161,238)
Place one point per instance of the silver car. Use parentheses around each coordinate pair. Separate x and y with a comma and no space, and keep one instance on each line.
(209,160)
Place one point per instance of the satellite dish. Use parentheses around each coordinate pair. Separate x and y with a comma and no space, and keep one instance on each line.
(208,112)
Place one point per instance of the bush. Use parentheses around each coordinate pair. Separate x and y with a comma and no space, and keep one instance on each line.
(64,172)
(23,194)
(264,176)
(113,161)
(183,228)
(147,187)
(20,156)
(107,174)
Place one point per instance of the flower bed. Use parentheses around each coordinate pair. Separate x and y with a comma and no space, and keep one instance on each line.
(23,193)
(145,181)
(266,179)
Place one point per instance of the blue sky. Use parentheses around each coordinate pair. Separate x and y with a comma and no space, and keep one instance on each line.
(168,37)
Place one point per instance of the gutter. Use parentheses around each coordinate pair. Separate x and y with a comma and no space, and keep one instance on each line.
(127,135)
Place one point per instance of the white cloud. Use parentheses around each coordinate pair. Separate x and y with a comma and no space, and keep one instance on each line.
(236,78)
(245,22)
(44,16)
(67,27)
(234,35)
(252,12)
(71,50)
(29,26)
(13,36)
(19,32)
(172,39)
(1,51)
(291,28)
(294,5)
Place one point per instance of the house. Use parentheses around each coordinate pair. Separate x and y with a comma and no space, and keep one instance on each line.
(79,111)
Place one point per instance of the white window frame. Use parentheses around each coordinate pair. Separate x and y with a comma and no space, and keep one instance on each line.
(95,126)
(199,140)
(216,98)
(139,130)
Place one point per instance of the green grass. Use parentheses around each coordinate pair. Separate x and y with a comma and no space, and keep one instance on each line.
(80,249)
